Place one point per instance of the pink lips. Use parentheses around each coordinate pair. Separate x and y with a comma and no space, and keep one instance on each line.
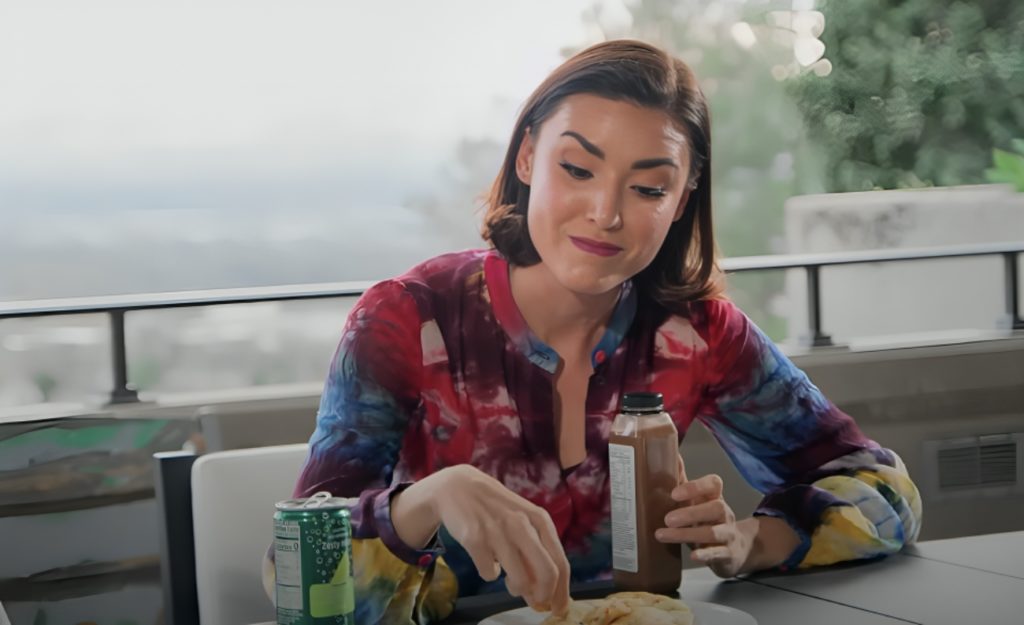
(595,247)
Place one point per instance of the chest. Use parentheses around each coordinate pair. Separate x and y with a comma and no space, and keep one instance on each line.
(570,414)
(487,403)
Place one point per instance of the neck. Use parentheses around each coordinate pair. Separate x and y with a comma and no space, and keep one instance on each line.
(571,323)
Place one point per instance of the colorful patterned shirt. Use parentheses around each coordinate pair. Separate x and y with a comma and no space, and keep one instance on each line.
(437,368)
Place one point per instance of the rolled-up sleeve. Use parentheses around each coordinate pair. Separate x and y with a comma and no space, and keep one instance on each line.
(846,496)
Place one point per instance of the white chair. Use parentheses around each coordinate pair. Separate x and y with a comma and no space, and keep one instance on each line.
(233,497)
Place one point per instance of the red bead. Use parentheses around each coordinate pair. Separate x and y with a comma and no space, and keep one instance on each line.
(426,559)
(599,356)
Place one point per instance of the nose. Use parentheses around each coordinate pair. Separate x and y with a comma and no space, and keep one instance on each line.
(606,210)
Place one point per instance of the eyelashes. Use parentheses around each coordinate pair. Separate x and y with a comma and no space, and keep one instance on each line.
(578,173)
(654,192)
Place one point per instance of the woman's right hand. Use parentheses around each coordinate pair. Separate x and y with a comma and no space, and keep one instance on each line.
(499,529)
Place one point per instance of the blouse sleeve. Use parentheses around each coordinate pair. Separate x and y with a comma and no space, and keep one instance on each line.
(845,496)
(369,398)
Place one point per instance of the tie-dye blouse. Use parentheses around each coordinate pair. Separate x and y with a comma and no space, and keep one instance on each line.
(437,368)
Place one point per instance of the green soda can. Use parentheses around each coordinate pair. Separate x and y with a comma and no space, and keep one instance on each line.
(313,562)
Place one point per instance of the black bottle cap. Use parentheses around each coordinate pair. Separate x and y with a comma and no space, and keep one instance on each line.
(642,402)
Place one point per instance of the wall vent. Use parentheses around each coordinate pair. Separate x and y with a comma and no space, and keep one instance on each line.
(976,466)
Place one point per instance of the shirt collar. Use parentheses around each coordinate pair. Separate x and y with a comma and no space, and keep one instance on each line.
(539,353)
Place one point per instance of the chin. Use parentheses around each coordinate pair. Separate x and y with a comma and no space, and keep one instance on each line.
(587,281)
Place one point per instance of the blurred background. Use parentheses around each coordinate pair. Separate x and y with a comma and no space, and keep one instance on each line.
(153,147)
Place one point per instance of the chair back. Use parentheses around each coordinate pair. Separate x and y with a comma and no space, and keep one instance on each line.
(233,497)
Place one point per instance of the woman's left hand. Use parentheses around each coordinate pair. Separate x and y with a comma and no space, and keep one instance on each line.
(706,523)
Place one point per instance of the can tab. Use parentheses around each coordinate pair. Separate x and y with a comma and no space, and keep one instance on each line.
(317,500)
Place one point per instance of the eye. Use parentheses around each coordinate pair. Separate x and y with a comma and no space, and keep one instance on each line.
(576,172)
(650,191)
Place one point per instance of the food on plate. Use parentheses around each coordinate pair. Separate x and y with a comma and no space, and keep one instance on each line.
(626,608)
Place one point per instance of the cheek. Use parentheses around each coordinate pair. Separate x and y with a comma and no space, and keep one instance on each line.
(551,203)
(655,223)
(540,222)
(649,233)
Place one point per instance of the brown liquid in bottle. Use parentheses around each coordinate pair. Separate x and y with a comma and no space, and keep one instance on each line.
(643,449)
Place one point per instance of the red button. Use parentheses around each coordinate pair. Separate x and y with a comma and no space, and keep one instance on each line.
(599,356)
(425,560)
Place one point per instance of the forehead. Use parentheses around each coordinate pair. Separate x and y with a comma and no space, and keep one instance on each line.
(616,126)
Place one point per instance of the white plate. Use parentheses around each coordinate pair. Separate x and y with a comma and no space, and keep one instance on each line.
(703,614)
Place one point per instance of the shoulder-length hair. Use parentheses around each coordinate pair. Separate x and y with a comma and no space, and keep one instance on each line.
(685,268)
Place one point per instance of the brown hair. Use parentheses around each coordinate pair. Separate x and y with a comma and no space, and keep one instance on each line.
(685,268)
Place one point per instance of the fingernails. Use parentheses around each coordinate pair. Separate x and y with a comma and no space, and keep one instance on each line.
(701,555)
(661,534)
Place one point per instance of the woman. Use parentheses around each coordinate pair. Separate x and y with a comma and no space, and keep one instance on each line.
(468,406)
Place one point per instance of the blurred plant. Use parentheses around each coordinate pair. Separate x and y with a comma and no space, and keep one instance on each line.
(1009,167)
(920,91)
(145,372)
(46,384)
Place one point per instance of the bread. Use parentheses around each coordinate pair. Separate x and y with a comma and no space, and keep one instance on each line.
(626,608)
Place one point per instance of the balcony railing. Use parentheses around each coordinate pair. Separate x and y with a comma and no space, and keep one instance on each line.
(117,306)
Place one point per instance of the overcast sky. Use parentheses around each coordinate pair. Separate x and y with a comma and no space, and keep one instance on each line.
(111,91)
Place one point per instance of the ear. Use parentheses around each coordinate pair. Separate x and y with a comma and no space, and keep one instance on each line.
(682,204)
(524,158)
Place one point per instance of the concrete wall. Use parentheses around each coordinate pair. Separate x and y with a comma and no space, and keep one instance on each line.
(935,298)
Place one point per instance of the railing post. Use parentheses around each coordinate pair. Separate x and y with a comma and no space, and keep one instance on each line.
(121,393)
(1012,299)
(818,338)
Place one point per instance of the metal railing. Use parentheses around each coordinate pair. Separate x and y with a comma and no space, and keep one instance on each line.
(117,306)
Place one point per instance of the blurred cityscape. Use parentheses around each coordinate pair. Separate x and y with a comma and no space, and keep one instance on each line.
(313,164)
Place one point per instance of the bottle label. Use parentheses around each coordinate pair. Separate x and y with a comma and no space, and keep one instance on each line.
(622,469)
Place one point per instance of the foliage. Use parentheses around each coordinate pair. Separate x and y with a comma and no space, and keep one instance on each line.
(46,383)
(920,91)
(1008,167)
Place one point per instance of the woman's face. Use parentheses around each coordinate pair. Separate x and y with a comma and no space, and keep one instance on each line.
(607,179)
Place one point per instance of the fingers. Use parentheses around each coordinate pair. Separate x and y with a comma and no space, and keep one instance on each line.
(702,535)
(516,574)
(682,535)
(711,554)
(680,470)
(701,489)
(501,530)
(531,571)
(708,513)
(483,559)
(559,593)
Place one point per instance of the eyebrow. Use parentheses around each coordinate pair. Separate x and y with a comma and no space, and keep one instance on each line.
(645,163)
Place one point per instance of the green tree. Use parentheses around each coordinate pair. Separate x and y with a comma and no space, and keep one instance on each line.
(920,91)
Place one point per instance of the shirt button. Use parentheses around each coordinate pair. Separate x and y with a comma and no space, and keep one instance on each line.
(599,356)
(425,560)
